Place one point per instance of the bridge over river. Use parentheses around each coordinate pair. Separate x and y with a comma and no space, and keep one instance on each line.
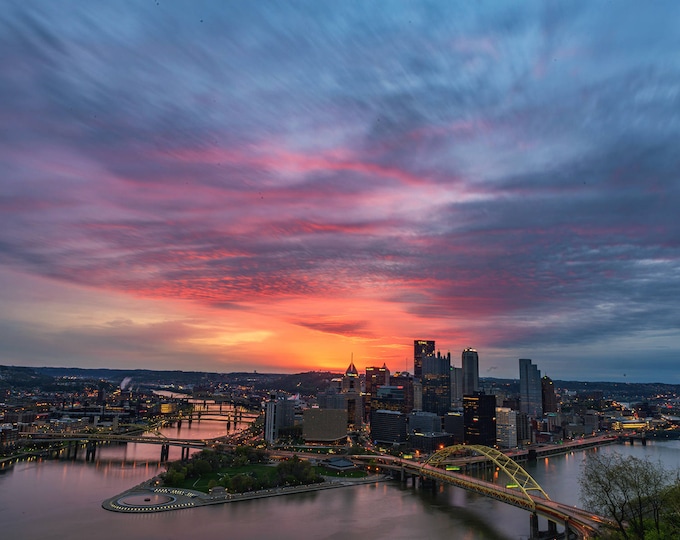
(146,435)
(521,490)
(91,440)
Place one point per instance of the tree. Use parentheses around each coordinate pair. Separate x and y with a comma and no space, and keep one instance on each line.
(670,513)
(202,466)
(174,478)
(630,491)
(241,483)
(296,471)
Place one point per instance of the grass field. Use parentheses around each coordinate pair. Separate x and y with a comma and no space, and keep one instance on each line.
(261,472)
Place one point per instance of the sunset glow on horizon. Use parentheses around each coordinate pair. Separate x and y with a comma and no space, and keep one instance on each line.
(284,187)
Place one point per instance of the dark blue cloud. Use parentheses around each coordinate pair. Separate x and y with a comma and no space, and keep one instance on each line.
(506,174)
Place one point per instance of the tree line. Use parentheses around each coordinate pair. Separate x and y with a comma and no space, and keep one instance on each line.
(223,466)
(641,497)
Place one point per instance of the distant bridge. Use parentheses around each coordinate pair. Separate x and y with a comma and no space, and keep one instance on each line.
(92,439)
(525,492)
(115,437)
(235,417)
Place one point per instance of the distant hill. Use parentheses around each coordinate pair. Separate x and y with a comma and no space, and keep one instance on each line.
(306,383)
(140,376)
(22,378)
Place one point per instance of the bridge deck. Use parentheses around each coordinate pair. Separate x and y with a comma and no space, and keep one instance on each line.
(584,523)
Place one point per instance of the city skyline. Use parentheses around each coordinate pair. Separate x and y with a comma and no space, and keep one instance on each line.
(285,188)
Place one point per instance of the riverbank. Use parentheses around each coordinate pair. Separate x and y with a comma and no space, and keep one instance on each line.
(149,497)
(66,492)
(547,450)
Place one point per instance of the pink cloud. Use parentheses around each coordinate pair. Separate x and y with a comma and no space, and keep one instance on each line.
(281,160)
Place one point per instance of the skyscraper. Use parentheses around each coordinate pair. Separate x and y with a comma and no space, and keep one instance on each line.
(389,398)
(279,414)
(506,427)
(408,383)
(436,381)
(531,400)
(351,381)
(351,391)
(389,426)
(470,371)
(375,378)
(479,418)
(456,386)
(421,349)
(549,398)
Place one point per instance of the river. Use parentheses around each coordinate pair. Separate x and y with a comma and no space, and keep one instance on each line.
(58,499)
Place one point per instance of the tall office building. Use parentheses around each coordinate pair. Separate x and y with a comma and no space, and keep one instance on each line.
(525,431)
(456,386)
(351,381)
(279,413)
(479,418)
(390,398)
(454,423)
(417,395)
(549,398)
(411,388)
(421,349)
(436,381)
(506,427)
(399,395)
(350,396)
(375,378)
(470,371)
(389,427)
(530,394)
(424,422)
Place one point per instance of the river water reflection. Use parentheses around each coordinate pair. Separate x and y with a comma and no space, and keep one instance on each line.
(61,499)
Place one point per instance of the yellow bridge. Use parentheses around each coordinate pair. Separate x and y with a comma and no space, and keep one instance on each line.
(522,490)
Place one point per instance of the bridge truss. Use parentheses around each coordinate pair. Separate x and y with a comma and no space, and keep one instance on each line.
(524,492)
(520,478)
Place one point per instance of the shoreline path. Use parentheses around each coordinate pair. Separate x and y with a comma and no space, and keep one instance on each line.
(147,497)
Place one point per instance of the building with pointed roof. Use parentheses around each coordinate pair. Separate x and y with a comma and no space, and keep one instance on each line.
(351,381)
(354,402)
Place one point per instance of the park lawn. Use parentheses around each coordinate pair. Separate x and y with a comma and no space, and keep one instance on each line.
(258,470)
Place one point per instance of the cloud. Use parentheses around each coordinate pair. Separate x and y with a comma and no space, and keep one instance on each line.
(342,328)
(506,177)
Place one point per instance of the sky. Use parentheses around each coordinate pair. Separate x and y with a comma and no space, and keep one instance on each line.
(290,186)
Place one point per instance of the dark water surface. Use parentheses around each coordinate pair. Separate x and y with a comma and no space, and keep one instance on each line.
(62,499)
